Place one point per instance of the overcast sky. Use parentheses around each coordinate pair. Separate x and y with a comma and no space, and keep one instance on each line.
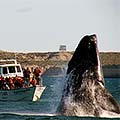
(43,25)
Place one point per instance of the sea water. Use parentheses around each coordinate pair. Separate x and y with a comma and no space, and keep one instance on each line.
(46,107)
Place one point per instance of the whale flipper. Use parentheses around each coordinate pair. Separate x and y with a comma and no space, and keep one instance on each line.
(84,92)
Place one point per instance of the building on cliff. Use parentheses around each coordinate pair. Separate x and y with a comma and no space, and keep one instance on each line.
(62,48)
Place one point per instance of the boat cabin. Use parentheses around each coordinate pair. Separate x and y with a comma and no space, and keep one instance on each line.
(11,69)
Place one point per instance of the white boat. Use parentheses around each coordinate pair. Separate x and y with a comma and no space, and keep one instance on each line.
(10,70)
(31,93)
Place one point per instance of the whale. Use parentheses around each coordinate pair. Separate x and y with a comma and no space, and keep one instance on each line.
(84,92)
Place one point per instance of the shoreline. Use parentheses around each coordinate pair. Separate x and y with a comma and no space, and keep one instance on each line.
(110,61)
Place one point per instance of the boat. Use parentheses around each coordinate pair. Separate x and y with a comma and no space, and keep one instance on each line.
(29,93)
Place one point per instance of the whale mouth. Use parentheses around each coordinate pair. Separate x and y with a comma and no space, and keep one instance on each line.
(93,38)
(86,52)
(85,62)
(86,55)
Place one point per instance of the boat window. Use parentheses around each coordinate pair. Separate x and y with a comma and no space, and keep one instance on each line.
(11,69)
(5,70)
(18,68)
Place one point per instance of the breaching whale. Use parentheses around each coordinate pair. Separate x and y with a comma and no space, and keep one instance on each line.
(84,93)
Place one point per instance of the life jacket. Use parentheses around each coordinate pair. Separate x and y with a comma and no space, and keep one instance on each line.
(11,83)
(33,82)
(37,72)
(18,82)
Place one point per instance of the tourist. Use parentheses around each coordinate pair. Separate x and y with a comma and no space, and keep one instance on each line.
(37,75)
(18,82)
(32,81)
(10,83)
(26,74)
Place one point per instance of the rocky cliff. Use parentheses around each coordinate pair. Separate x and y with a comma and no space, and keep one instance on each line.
(38,58)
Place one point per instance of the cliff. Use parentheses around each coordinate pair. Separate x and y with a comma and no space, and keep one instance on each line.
(37,58)
(110,58)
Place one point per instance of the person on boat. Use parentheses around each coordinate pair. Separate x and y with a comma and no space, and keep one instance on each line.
(18,82)
(37,75)
(11,83)
(3,84)
(32,81)
(26,74)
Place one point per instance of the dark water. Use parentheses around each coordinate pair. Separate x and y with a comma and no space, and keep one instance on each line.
(46,107)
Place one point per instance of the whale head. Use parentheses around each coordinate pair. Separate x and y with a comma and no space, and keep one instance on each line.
(84,93)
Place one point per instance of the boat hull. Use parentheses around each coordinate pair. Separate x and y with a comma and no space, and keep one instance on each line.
(22,94)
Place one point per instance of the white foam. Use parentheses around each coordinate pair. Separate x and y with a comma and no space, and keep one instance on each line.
(105,114)
(29,114)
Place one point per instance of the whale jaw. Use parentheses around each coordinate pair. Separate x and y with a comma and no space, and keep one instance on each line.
(84,93)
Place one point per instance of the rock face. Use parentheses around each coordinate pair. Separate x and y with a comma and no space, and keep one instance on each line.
(108,58)
(37,58)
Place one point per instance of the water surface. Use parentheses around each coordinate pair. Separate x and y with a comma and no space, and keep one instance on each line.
(46,107)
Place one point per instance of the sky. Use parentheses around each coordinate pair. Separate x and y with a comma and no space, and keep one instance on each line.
(44,25)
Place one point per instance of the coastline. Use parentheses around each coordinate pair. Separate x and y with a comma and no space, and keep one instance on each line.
(110,61)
